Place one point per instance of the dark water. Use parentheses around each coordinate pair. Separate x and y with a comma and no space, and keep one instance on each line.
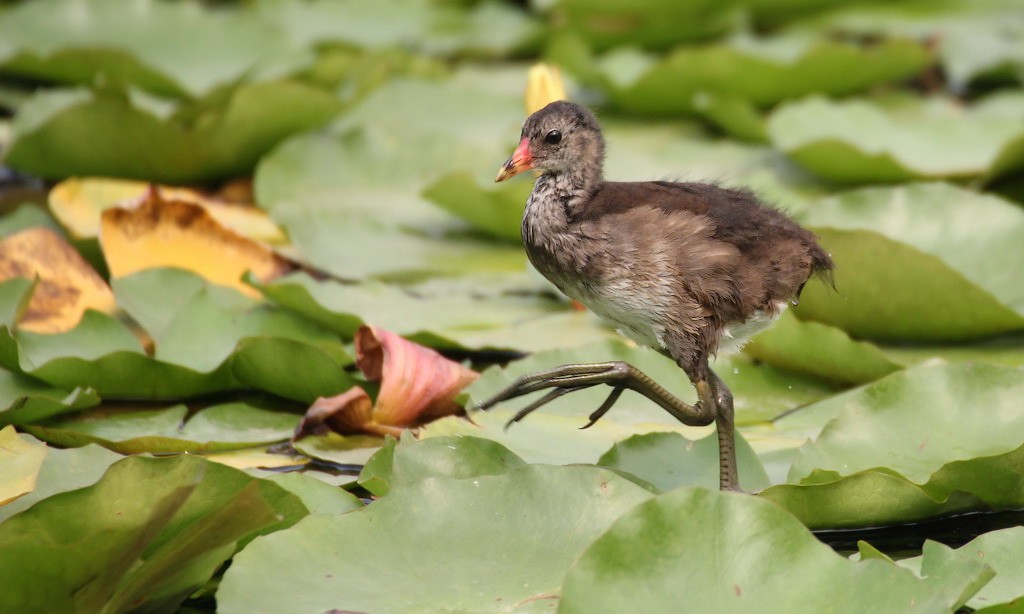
(906,540)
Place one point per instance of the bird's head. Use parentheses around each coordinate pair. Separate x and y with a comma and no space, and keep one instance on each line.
(563,137)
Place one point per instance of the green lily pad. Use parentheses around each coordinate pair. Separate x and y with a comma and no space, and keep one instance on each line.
(495,210)
(202,326)
(25,399)
(534,519)
(1000,550)
(28,216)
(862,475)
(916,421)
(350,199)
(340,449)
(450,314)
(914,264)
(290,368)
(108,132)
(103,354)
(859,142)
(74,42)
(318,496)
(156,530)
(229,426)
(820,349)
(654,24)
(761,71)
(484,29)
(449,457)
(21,458)
(868,499)
(973,40)
(61,471)
(828,352)
(669,461)
(727,554)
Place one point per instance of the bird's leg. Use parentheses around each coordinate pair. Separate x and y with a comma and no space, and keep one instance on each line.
(619,375)
(714,390)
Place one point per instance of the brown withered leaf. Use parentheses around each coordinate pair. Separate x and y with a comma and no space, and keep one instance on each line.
(176,233)
(67,285)
(78,203)
(416,385)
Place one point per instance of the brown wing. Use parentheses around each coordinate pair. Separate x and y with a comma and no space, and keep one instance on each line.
(756,256)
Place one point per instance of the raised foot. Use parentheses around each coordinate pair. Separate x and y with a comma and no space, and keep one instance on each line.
(617,374)
(714,401)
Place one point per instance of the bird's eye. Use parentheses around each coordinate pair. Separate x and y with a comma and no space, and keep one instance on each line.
(553,138)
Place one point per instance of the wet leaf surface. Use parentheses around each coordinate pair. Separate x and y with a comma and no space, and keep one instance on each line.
(860,142)
(535,519)
(726,554)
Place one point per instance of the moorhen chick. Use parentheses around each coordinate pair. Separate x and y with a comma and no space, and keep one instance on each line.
(679,267)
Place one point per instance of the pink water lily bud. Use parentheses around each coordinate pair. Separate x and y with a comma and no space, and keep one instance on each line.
(416,385)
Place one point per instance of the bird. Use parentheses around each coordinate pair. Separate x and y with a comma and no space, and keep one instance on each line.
(686,268)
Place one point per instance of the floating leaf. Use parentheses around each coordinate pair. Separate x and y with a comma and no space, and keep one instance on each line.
(21,459)
(517,522)
(67,285)
(226,426)
(484,29)
(914,263)
(762,71)
(80,202)
(73,42)
(349,199)
(860,142)
(27,216)
(161,233)
(669,461)
(819,349)
(868,499)
(1000,550)
(24,399)
(340,449)
(655,25)
(452,315)
(290,368)
(108,133)
(496,210)
(61,471)
(954,572)
(318,496)
(198,324)
(727,554)
(941,458)
(443,457)
(973,40)
(916,421)
(156,530)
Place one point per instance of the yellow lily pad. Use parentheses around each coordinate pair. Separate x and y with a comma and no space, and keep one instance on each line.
(20,461)
(79,202)
(67,285)
(177,233)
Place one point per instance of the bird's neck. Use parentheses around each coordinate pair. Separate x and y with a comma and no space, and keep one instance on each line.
(558,197)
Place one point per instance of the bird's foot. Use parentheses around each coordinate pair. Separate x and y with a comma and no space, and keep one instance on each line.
(617,374)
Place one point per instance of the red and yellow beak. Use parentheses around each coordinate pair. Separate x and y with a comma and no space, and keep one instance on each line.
(521,160)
